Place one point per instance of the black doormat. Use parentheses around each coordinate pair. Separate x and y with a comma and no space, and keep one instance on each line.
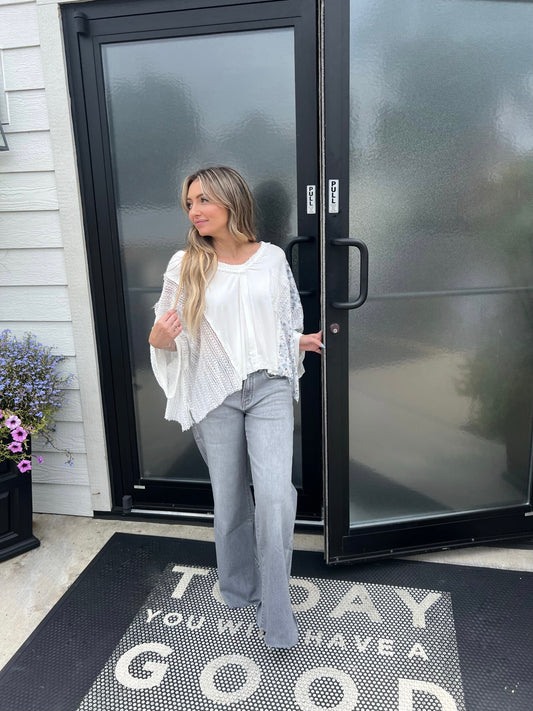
(143,628)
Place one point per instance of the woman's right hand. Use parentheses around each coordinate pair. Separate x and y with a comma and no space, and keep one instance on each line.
(165,330)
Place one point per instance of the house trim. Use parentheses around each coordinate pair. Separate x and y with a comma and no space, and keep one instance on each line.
(72,229)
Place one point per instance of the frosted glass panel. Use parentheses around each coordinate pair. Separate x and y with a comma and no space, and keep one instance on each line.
(174,105)
(441,153)
(441,190)
(441,405)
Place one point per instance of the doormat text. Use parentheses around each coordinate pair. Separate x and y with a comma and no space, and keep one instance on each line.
(362,647)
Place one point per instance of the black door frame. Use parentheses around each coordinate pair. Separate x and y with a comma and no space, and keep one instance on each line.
(342,543)
(86,26)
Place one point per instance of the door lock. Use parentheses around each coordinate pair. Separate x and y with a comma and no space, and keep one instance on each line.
(334,328)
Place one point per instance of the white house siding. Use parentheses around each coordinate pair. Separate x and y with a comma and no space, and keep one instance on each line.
(43,288)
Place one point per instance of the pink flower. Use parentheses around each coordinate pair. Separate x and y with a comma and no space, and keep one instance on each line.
(24,466)
(19,434)
(12,422)
(15,447)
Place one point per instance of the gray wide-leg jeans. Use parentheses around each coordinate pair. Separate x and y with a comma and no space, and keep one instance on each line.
(254,543)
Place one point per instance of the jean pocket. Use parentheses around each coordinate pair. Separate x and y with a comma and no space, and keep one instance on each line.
(273,376)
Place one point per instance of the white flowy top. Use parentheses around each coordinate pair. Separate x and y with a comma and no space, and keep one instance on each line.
(252,321)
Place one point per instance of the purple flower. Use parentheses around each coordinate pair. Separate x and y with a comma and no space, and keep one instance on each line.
(24,466)
(40,460)
(12,422)
(1,414)
(15,447)
(19,434)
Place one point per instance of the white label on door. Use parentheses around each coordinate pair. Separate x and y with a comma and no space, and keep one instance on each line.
(311,199)
(334,195)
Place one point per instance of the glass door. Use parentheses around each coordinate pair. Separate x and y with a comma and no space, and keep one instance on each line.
(164,92)
(429,163)
(422,276)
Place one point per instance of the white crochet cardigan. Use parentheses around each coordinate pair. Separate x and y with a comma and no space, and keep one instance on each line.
(199,375)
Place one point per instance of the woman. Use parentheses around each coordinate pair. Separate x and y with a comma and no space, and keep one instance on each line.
(227,348)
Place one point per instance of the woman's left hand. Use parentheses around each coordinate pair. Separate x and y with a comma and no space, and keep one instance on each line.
(311,342)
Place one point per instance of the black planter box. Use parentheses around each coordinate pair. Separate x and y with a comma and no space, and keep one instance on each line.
(16,511)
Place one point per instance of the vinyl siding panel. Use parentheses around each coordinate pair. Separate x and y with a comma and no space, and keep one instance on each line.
(54,471)
(27,111)
(69,436)
(16,2)
(62,499)
(23,68)
(69,366)
(56,335)
(71,408)
(27,191)
(19,26)
(34,303)
(39,267)
(28,152)
(29,230)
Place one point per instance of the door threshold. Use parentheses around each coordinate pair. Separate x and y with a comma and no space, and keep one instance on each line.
(300,525)
(173,514)
(192,517)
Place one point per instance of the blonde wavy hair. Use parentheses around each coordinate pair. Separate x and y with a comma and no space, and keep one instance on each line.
(227,188)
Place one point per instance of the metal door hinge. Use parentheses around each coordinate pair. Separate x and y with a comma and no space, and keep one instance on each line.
(81,24)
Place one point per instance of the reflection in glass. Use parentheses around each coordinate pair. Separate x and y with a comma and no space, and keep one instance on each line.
(441,190)
(174,105)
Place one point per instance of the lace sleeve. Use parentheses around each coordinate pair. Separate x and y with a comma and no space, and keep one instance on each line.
(170,366)
(297,321)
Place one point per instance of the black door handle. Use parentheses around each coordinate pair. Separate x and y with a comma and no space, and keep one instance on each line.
(288,252)
(363,273)
(290,246)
